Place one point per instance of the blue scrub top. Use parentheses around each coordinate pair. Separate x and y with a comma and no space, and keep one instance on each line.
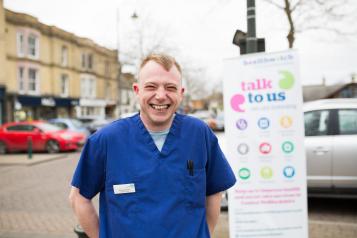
(169,201)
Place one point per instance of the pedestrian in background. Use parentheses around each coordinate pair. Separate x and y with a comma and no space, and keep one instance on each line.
(159,173)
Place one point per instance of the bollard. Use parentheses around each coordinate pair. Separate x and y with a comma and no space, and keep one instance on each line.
(79,231)
(29,147)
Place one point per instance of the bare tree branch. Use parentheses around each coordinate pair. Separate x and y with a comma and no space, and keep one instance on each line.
(307,15)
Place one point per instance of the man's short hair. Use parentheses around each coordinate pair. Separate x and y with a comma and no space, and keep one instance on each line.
(164,60)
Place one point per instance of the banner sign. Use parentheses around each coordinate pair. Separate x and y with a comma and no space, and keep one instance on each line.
(265,146)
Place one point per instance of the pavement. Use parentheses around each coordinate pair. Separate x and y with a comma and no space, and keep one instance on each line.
(34,202)
(23,158)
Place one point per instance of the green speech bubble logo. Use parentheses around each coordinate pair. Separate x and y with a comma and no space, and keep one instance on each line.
(287,82)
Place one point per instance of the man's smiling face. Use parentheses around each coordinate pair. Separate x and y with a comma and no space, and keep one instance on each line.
(159,93)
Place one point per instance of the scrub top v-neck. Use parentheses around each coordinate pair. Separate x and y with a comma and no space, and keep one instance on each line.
(168,141)
(148,193)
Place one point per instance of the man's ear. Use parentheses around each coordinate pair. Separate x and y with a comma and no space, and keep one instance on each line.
(182,91)
(136,88)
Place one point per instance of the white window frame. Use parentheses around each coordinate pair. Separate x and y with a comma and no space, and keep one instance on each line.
(64,85)
(64,55)
(20,43)
(36,46)
(36,81)
(88,87)
(21,79)
(92,87)
(84,87)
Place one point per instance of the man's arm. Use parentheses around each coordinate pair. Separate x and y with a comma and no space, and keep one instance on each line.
(213,209)
(85,213)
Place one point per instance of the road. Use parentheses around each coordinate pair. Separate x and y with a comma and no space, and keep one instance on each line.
(33,203)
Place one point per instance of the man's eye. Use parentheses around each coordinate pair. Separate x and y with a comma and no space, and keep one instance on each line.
(149,87)
(172,88)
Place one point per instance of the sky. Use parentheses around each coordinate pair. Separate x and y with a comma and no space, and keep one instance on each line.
(199,32)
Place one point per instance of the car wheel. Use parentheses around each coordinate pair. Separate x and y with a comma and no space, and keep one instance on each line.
(52,147)
(2,148)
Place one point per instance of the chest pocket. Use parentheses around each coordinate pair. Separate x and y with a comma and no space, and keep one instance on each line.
(195,186)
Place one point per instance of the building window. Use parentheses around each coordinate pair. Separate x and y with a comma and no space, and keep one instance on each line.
(64,56)
(83,60)
(87,61)
(124,97)
(107,69)
(20,44)
(92,88)
(108,93)
(64,85)
(88,87)
(33,84)
(21,79)
(90,61)
(33,46)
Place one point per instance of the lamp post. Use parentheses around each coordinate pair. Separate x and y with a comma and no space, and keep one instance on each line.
(247,41)
(251,32)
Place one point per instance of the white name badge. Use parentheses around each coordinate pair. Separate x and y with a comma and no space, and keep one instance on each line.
(124,188)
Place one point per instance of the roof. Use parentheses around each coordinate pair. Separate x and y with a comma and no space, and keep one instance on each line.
(335,103)
(315,92)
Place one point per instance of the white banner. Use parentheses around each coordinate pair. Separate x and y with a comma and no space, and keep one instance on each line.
(265,146)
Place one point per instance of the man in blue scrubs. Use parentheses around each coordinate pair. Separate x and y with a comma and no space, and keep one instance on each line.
(159,174)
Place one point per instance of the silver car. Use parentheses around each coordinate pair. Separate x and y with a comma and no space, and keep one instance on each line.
(331,147)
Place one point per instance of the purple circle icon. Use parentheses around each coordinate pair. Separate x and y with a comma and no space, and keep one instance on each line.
(242,124)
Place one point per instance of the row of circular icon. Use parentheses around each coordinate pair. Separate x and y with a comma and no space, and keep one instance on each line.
(264,123)
(265,148)
(266,172)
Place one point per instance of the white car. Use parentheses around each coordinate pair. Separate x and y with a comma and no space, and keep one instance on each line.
(331,147)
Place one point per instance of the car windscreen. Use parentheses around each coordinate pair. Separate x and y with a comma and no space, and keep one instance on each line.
(48,127)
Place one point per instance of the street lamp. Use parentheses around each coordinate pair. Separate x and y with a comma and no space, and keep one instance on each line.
(247,41)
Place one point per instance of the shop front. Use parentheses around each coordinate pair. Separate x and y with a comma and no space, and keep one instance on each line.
(43,108)
(91,108)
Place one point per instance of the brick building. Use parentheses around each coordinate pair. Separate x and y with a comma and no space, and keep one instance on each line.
(46,72)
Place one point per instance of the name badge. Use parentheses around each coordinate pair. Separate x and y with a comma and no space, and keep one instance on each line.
(124,188)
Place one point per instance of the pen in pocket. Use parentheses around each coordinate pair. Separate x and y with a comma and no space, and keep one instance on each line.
(190,167)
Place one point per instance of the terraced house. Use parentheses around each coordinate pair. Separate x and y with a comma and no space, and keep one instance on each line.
(46,72)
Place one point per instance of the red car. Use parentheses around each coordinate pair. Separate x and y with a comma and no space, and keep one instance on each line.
(15,136)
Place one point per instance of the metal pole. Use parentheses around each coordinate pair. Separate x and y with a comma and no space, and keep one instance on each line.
(29,148)
(252,41)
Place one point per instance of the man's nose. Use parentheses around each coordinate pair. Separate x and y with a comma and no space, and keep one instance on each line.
(160,93)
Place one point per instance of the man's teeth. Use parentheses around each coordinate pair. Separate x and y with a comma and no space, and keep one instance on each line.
(160,107)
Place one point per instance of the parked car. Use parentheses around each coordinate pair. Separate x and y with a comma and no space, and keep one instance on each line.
(16,136)
(98,124)
(218,122)
(205,116)
(127,114)
(331,146)
(70,124)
